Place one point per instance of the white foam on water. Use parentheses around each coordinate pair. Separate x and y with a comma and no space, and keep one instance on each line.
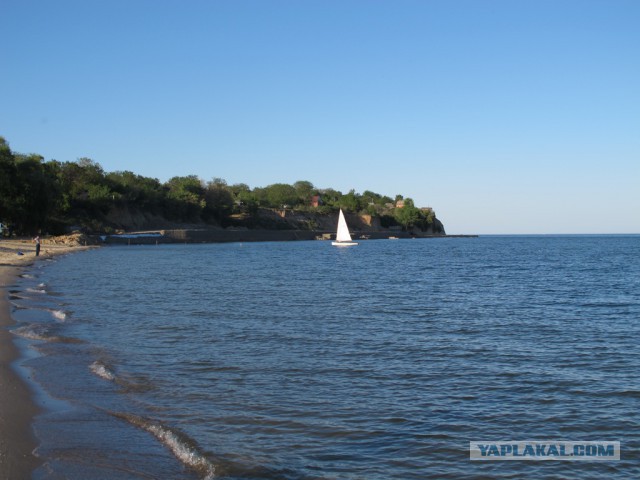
(182,451)
(102,371)
(36,290)
(179,445)
(33,332)
(41,332)
(59,315)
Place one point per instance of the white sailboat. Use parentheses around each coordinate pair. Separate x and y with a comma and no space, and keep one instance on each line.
(343,237)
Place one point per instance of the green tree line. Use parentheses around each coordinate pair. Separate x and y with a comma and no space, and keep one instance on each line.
(49,196)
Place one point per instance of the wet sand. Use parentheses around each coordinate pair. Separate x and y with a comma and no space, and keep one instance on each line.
(17,408)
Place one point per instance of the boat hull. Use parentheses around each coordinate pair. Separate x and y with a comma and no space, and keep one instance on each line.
(344,244)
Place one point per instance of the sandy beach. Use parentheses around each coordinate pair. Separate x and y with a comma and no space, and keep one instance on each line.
(17,409)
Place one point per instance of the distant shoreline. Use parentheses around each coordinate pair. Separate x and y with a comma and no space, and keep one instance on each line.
(206,235)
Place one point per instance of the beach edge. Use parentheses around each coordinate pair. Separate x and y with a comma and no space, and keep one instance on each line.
(17,406)
(18,409)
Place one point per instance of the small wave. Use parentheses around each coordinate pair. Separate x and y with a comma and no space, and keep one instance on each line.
(40,332)
(59,315)
(182,447)
(36,290)
(102,371)
(36,331)
(26,275)
(106,372)
(33,332)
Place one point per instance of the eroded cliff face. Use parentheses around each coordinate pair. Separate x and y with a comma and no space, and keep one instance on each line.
(270,219)
(438,228)
(131,219)
(126,218)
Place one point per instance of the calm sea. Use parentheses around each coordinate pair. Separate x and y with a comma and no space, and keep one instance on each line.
(304,361)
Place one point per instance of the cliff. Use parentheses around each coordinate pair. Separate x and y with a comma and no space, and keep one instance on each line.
(127,219)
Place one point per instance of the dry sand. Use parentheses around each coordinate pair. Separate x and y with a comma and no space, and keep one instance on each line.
(17,409)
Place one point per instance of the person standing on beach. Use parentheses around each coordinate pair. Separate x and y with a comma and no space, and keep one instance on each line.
(37,240)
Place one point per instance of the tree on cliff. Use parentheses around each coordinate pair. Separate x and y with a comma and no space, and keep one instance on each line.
(84,187)
(185,198)
(278,195)
(351,201)
(29,194)
(7,180)
(143,192)
(305,190)
(37,196)
(408,215)
(219,201)
(246,200)
(330,199)
(51,195)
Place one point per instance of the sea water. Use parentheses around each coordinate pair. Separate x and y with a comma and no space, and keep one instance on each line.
(301,360)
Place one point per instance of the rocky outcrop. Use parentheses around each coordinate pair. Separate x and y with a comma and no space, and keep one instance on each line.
(126,218)
(71,240)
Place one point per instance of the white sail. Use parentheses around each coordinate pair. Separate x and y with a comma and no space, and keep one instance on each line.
(343,234)
(343,237)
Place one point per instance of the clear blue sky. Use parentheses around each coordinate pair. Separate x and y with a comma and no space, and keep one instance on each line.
(504,116)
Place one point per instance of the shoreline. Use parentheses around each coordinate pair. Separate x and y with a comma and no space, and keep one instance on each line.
(17,405)
(17,408)
(217,235)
